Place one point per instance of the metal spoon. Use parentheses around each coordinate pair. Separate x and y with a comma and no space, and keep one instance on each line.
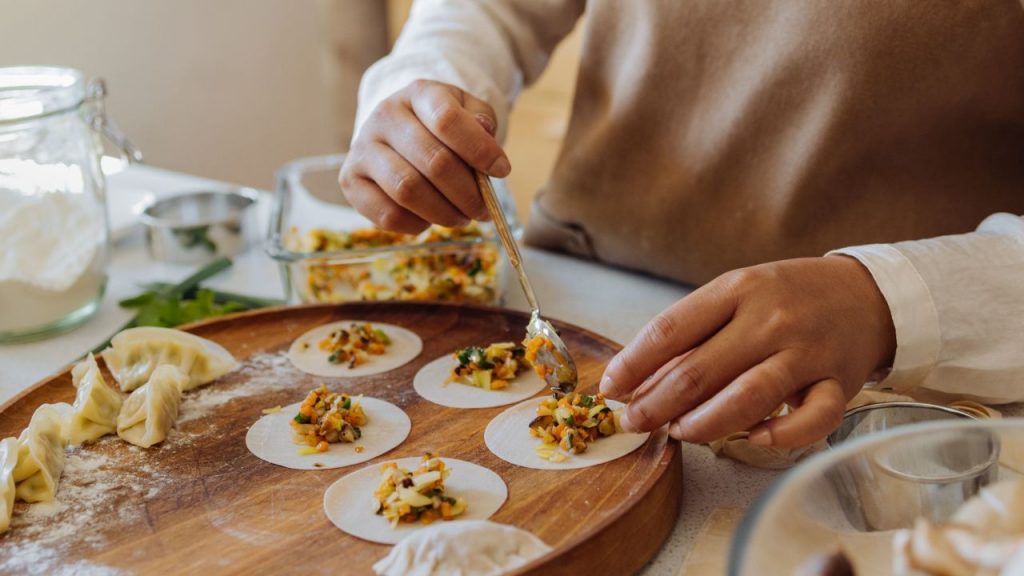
(561,375)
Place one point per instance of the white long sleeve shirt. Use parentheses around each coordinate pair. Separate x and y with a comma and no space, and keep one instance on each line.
(957,301)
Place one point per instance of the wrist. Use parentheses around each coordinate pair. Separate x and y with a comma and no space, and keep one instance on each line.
(874,307)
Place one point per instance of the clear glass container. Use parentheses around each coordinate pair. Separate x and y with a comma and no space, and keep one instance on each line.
(54,239)
(311,225)
(865,497)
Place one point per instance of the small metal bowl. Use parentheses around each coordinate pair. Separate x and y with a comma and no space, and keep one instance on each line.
(903,481)
(198,227)
(885,415)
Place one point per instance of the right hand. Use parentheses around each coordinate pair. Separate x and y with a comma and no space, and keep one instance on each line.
(411,165)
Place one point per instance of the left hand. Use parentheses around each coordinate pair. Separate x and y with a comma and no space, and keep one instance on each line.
(808,332)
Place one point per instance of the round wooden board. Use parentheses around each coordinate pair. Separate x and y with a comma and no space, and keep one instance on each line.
(219,509)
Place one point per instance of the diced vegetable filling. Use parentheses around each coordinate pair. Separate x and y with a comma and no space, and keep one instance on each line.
(489,368)
(355,345)
(327,417)
(539,346)
(570,423)
(456,274)
(416,496)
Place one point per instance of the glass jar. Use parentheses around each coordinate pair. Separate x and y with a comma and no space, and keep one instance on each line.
(54,239)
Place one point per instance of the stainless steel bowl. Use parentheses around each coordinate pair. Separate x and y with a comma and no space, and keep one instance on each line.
(885,415)
(929,481)
(197,227)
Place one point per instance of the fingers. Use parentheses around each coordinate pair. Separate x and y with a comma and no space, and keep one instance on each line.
(365,196)
(687,381)
(445,171)
(746,401)
(408,188)
(451,116)
(678,329)
(820,413)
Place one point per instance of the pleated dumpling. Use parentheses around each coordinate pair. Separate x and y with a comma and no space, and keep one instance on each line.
(134,354)
(148,414)
(40,456)
(8,458)
(96,407)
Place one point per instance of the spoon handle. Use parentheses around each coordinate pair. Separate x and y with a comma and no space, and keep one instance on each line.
(507,240)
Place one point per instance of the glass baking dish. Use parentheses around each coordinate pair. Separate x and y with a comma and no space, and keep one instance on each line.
(328,252)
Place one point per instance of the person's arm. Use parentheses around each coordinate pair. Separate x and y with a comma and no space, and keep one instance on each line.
(435,110)
(957,304)
(489,48)
(946,313)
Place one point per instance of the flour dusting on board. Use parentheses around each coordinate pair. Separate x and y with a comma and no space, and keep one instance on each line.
(95,488)
(260,374)
(109,483)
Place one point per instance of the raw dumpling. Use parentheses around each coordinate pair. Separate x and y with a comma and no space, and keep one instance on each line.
(151,410)
(8,458)
(96,405)
(40,456)
(136,352)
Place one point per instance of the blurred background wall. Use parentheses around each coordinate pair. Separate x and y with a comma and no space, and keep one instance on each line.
(232,89)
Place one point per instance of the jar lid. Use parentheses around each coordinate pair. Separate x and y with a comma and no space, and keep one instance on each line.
(28,92)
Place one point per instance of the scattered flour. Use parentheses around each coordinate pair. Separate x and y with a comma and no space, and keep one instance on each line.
(108,482)
(261,373)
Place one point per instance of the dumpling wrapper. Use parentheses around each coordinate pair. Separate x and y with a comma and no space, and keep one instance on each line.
(348,502)
(136,352)
(149,413)
(8,459)
(405,345)
(430,384)
(508,437)
(466,547)
(271,438)
(40,456)
(96,407)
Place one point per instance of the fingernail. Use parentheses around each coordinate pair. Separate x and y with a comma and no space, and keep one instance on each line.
(607,386)
(487,124)
(761,437)
(675,430)
(627,426)
(500,168)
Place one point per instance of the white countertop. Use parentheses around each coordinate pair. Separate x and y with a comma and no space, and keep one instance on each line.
(610,302)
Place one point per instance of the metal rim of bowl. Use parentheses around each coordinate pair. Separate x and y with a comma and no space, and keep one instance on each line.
(827,458)
(147,218)
(895,404)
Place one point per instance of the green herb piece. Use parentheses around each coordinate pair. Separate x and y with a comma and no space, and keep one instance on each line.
(302,419)
(586,401)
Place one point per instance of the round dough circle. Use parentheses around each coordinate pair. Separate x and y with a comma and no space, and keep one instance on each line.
(405,345)
(270,438)
(508,437)
(348,502)
(429,383)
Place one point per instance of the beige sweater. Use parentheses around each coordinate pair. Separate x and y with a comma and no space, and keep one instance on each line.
(708,135)
(732,133)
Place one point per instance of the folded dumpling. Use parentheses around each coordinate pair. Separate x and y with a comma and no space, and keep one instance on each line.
(148,414)
(96,407)
(8,458)
(40,456)
(136,352)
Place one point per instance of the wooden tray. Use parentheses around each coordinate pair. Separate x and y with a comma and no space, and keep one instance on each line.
(218,509)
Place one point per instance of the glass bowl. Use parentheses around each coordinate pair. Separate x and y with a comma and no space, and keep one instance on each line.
(310,223)
(856,496)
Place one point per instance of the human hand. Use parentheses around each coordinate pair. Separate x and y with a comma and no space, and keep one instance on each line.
(808,332)
(411,164)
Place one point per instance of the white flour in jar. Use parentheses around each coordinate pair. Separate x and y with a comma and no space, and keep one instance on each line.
(52,257)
